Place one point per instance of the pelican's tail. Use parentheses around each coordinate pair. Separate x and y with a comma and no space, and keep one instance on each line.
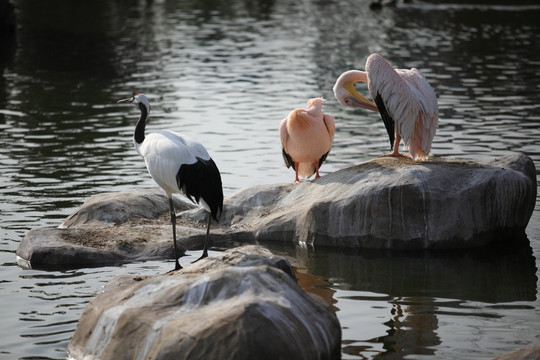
(305,170)
(416,150)
(419,143)
(417,154)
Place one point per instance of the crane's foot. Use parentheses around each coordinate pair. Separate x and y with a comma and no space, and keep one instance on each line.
(204,255)
(177,267)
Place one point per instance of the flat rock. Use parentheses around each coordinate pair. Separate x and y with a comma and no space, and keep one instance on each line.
(109,228)
(125,207)
(242,304)
(385,203)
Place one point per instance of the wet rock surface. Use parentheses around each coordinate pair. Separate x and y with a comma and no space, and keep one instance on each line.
(242,304)
(385,203)
(107,229)
(393,203)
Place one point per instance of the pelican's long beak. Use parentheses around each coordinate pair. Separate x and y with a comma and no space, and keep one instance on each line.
(126,100)
(358,99)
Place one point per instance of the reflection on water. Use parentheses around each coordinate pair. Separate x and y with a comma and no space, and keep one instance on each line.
(485,274)
(422,291)
(227,73)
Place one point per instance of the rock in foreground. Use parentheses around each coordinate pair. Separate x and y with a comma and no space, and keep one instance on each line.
(242,304)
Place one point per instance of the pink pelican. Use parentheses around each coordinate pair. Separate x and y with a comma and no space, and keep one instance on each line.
(404,98)
(306,138)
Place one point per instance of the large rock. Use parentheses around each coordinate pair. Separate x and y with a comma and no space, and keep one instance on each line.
(242,304)
(384,203)
(393,203)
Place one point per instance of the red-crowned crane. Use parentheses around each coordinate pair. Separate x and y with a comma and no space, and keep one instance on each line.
(179,164)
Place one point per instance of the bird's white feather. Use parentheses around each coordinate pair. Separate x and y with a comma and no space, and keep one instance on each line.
(164,152)
(409,100)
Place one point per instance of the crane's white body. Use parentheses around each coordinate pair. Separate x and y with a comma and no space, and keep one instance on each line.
(164,152)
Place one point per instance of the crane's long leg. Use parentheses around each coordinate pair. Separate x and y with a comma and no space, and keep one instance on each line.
(296,179)
(205,248)
(177,265)
(317,169)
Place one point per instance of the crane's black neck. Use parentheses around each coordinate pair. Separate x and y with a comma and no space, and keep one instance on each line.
(141,124)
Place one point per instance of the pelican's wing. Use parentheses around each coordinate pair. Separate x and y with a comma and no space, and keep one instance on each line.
(429,112)
(390,93)
(284,137)
(405,94)
(328,121)
(425,108)
(330,125)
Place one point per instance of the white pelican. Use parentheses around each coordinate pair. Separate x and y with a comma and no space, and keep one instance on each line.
(306,138)
(404,99)
(179,164)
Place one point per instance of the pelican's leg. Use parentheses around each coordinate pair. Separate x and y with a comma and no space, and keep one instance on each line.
(317,170)
(173,223)
(395,151)
(205,248)
(296,180)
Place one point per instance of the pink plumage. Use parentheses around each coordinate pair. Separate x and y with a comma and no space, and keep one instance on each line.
(404,98)
(306,138)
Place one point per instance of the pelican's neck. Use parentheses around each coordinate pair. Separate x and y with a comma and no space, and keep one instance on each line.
(138,135)
(355,76)
(314,106)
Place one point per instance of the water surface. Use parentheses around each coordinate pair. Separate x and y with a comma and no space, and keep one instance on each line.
(227,73)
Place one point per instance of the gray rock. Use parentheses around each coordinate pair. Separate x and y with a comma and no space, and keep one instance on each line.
(125,207)
(100,246)
(109,228)
(393,203)
(238,305)
(385,203)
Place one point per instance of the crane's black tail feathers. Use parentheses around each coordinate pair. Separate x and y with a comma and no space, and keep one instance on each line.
(202,180)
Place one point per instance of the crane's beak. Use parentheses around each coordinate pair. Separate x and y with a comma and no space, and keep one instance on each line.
(358,99)
(131,99)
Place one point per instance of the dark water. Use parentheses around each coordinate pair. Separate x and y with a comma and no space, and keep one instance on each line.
(227,73)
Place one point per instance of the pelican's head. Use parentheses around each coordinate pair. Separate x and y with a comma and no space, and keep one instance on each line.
(347,95)
(315,102)
(139,100)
